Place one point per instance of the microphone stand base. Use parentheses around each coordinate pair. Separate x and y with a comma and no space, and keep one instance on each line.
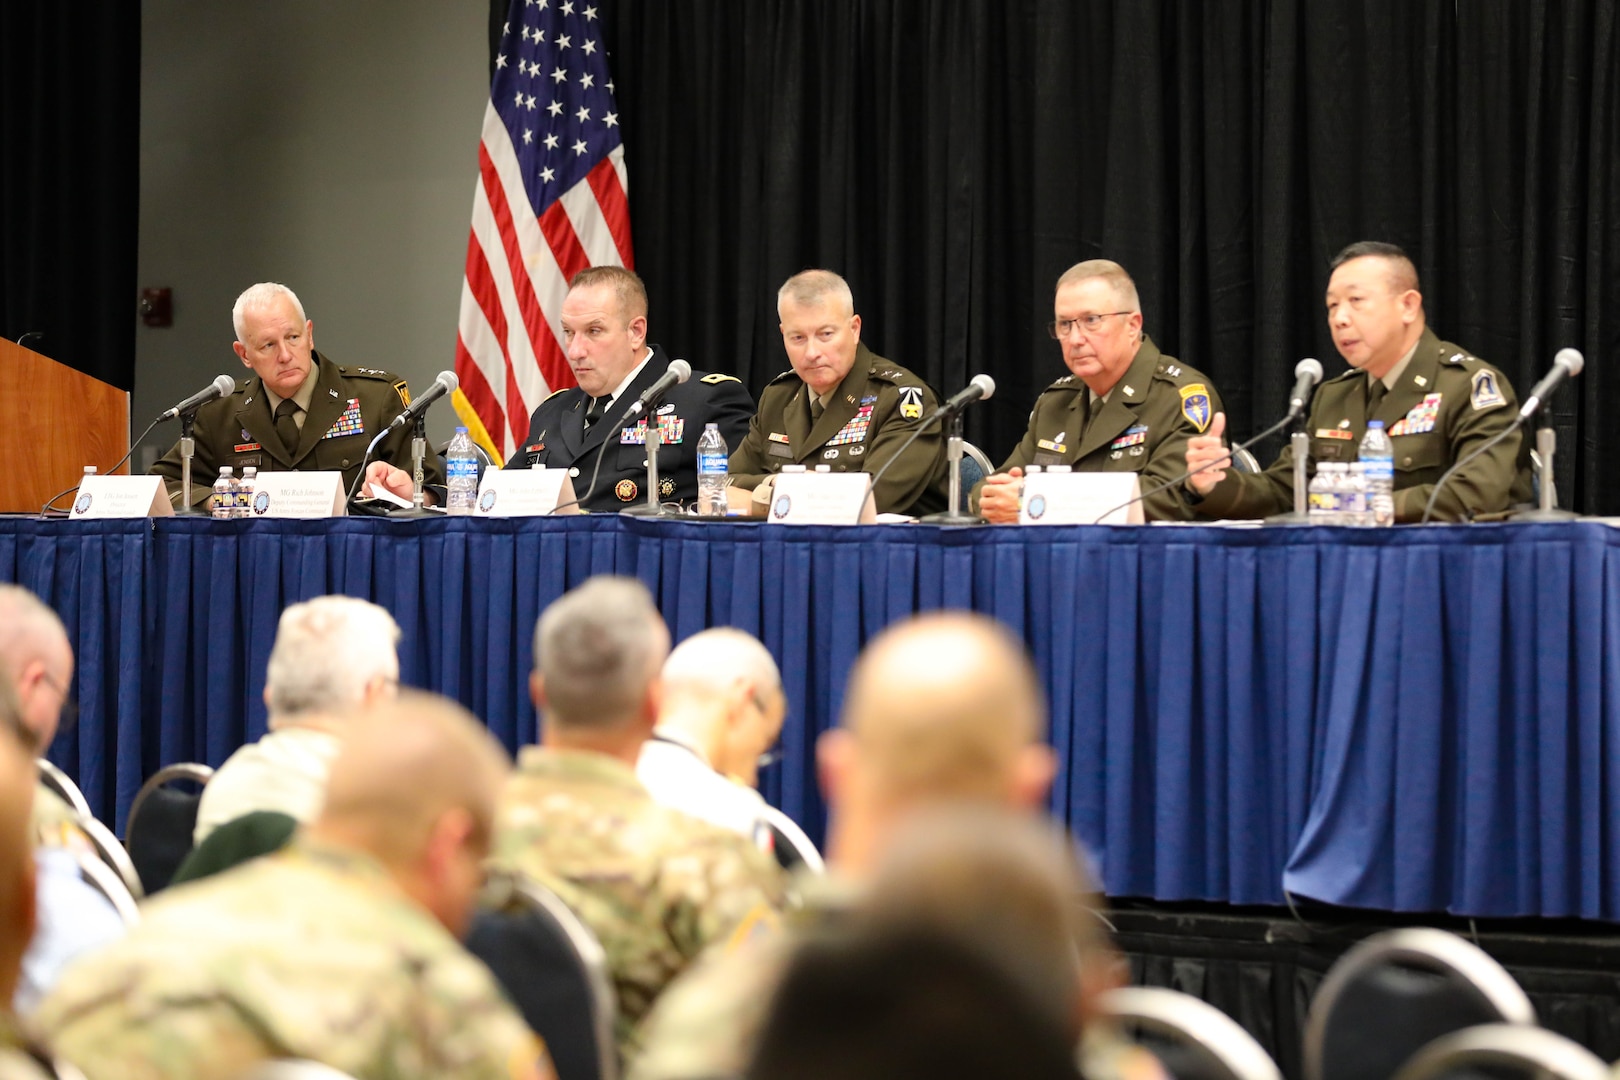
(1290,518)
(1544,515)
(191,511)
(415,512)
(947,518)
(648,511)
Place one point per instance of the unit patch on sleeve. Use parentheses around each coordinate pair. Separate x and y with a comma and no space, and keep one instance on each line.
(1484,393)
(404,392)
(911,402)
(1195,405)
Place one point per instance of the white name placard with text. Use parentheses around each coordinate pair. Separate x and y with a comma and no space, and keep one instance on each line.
(1080,498)
(121,497)
(298,495)
(811,498)
(524,492)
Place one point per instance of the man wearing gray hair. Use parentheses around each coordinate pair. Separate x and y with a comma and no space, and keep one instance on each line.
(299,411)
(723,708)
(656,887)
(333,657)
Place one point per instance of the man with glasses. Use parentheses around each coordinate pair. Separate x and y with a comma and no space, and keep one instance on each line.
(1123,407)
(721,710)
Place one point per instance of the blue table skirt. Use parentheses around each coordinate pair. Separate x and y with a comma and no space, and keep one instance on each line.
(1230,725)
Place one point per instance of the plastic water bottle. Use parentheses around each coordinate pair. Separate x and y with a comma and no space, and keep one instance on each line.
(223,502)
(1378,456)
(461,464)
(244,496)
(712,453)
(1355,507)
(1322,498)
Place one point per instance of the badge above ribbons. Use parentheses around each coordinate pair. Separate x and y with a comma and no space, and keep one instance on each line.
(1195,405)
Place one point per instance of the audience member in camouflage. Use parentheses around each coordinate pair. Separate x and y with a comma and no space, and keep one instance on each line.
(656,887)
(341,949)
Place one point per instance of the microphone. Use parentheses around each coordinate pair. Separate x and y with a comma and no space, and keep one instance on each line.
(446,383)
(1566,365)
(979,388)
(677,372)
(1307,373)
(216,389)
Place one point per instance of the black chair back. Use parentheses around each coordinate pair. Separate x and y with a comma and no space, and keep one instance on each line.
(555,971)
(1192,1039)
(1513,1049)
(792,848)
(1396,992)
(161,821)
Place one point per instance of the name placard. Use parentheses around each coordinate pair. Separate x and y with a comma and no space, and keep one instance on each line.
(121,497)
(524,492)
(812,498)
(1080,498)
(298,495)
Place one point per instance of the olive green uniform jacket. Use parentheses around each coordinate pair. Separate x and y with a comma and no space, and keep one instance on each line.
(1446,403)
(1157,405)
(351,405)
(874,410)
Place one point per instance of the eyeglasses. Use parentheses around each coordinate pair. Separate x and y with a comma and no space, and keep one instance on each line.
(68,713)
(1060,328)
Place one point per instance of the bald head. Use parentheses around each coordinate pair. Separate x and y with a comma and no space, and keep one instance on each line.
(36,660)
(16,858)
(415,787)
(944,706)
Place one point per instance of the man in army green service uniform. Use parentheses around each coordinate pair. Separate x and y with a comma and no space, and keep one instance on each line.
(300,411)
(1437,401)
(1123,407)
(340,949)
(841,406)
(655,886)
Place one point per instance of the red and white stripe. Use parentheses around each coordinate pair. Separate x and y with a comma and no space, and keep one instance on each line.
(509,349)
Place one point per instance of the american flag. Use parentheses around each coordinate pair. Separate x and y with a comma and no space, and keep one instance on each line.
(550,201)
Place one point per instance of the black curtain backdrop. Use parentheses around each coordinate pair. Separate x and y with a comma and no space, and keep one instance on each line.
(953,158)
(70,77)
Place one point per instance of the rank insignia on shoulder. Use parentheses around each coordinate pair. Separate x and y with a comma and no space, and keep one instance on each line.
(717,378)
(1195,405)
(911,401)
(777,436)
(1484,392)
(625,490)
(1171,370)
(404,392)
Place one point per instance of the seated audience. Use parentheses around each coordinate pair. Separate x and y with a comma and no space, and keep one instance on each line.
(36,667)
(656,886)
(943,708)
(340,949)
(333,656)
(722,708)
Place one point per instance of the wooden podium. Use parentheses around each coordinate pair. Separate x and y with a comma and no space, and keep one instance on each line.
(54,421)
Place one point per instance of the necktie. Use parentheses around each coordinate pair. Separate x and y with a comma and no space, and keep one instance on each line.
(1093,407)
(1375,395)
(816,409)
(286,426)
(594,411)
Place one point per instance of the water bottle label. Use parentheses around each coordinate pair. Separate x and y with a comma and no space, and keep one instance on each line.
(464,468)
(711,462)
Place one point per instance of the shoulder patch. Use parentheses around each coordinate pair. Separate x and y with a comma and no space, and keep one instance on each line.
(718,378)
(1195,405)
(404,392)
(911,402)
(1483,392)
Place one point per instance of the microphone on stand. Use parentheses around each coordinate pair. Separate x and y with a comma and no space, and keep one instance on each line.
(1307,373)
(220,387)
(677,372)
(446,383)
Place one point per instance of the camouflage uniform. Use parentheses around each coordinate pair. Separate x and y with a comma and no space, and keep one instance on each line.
(312,953)
(656,887)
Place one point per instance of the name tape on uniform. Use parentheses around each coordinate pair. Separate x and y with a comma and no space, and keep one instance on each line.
(816,498)
(530,492)
(298,495)
(1080,498)
(122,497)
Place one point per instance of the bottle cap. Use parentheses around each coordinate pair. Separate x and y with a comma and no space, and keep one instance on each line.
(1379,424)
(89,470)
(461,431)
